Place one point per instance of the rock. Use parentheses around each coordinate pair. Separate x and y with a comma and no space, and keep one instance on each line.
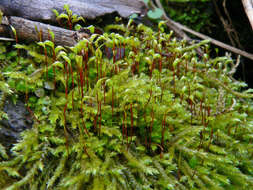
(18,120)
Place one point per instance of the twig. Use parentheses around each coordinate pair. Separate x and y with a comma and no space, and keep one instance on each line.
(233,34)
(226,25)
(233,31)
(178,32)
(221,84)
(248,7)
(216,42)
(234,67)
(6,39)
(202,36)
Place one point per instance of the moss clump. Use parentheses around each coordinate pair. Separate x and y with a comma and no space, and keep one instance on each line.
(152,115)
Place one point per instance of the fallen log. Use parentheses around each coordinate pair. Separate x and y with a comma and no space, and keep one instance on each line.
(41,10)
(36,31)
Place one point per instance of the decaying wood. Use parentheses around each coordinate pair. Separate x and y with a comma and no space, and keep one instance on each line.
(248,7)
(32,30)
(41,10)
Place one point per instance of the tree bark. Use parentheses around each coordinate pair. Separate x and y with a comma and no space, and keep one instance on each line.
(41,10)
(26,30)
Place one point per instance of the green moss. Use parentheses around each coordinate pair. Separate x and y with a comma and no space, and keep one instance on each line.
(155,116)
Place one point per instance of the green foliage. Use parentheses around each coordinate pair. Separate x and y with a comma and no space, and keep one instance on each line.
(155,116)
(155,14)
(195,14)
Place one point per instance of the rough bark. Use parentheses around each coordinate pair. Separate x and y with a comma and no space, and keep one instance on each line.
(41,10)
(30,30)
